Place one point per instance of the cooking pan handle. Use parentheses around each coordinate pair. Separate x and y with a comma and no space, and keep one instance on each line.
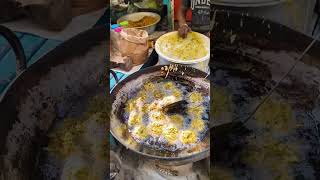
(21,61)
(114,75)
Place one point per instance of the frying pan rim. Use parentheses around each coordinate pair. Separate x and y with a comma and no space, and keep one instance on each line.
(118,86)
(9,86)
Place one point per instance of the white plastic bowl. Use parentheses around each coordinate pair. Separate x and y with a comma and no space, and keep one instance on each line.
(201,63)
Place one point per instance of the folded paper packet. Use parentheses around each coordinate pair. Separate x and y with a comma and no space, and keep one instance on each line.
(134,44)
(117,60)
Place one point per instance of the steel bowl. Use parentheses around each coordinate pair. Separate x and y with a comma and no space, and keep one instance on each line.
(139,15)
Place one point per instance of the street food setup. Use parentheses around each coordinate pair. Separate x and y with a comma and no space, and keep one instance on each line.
(152,69)
(151,30)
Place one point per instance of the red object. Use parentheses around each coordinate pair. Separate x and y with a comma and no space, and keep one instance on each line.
(118,29)
(177,4)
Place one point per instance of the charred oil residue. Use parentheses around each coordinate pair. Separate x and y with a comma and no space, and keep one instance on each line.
(303,95)
(231,68)
(239,80)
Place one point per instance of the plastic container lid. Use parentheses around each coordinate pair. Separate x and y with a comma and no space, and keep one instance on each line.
(119,29)
(124,23)
(114,26)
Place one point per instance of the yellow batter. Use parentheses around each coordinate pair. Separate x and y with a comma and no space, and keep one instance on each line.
(196,97)
(158,116)
(171,134)
(135,119)
(169,85)
(177,93)
(158,94)
(196,111)
(140,132)
(149,86)
(188,137)
(189,48)
(130,105)
(156,128)
(197,124)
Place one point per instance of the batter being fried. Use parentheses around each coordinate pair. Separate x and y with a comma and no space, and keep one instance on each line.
(150,125)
